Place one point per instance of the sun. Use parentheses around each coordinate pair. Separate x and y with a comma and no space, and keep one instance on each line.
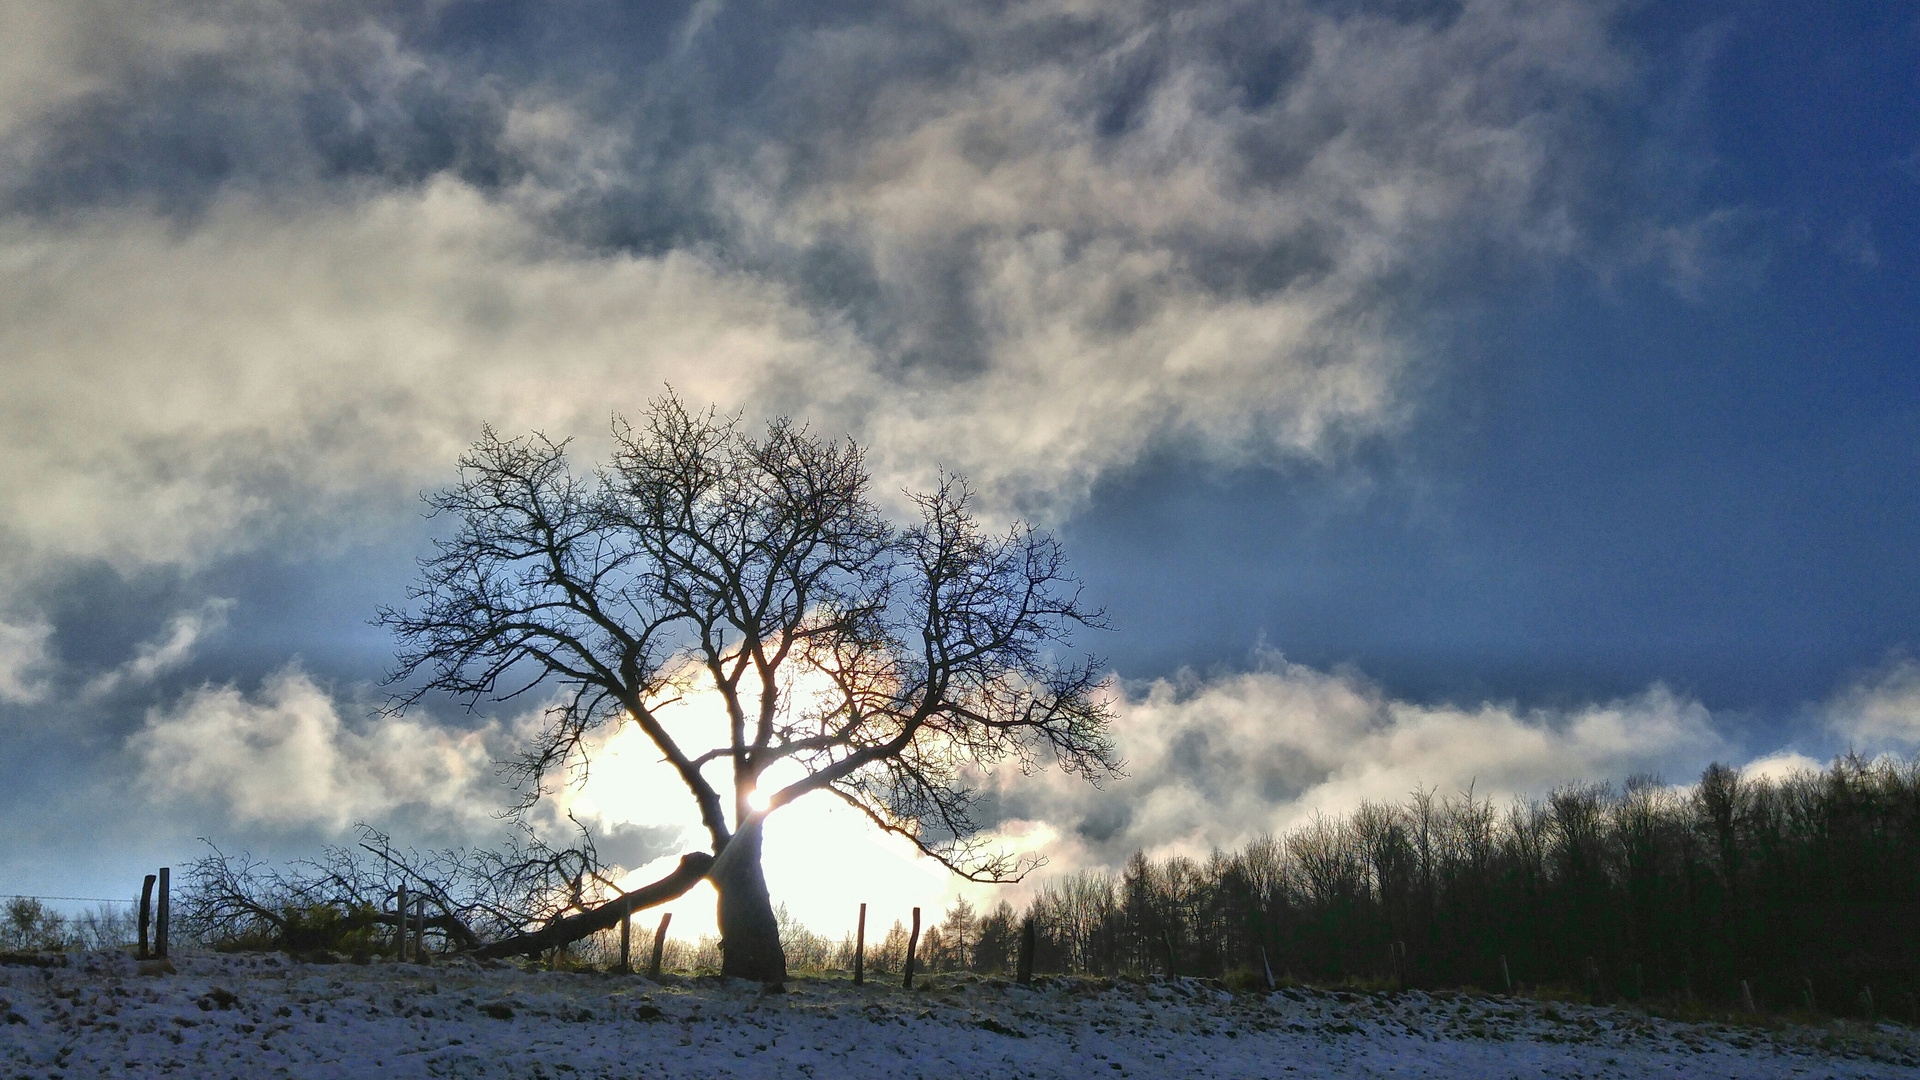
(822,858)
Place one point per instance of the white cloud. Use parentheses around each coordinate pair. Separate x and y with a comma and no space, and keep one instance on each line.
(23,660)
(278,367)
(1780,765)
(1034,300)
(1880,711)
(1223,271)
(1216,762)
(172,649)
(284,756)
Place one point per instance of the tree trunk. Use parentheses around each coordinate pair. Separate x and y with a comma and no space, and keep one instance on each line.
(749,935)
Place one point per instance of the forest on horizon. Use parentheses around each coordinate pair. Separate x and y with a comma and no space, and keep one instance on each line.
(1806,887)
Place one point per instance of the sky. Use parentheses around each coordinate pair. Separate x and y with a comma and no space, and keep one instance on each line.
(1486,395)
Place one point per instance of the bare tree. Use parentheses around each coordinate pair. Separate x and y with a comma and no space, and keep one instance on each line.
(702,558)
(522,896)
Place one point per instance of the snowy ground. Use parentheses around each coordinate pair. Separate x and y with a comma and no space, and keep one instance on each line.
(263,1016)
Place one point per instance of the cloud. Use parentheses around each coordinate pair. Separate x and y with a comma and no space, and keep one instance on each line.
(277,369)
(1881,710)
(266,267)
(628,845)
(285,757)
(1780,765)
(23,661)
(270,278)
(1216,762)
(166,104)
(172,649)
(1090,230)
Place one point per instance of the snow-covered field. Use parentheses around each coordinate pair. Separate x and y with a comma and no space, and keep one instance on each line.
(264,1016)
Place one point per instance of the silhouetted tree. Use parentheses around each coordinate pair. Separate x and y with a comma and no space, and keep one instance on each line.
(701,557)
(1811,879)
(998,937)
(956,938)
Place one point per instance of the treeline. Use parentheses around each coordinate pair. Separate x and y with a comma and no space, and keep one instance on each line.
(1805,888)
(28,925)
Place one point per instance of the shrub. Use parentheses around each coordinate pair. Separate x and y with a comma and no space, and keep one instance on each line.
(29,924)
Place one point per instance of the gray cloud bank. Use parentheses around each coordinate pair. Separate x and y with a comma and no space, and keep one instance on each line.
(272,263)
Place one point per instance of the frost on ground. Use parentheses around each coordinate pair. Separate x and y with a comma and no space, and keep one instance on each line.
(264,1016)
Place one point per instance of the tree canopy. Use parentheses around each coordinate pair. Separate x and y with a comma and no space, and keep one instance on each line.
(704,558)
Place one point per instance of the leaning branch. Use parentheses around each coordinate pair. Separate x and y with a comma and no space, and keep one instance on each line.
(693,867)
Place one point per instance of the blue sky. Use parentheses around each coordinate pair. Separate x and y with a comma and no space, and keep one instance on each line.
(1402,377)
(1619,479)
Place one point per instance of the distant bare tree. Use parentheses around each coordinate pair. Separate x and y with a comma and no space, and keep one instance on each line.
(703,557)
(957,935)
(493,900)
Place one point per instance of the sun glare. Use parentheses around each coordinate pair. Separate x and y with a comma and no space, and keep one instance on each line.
(822,858)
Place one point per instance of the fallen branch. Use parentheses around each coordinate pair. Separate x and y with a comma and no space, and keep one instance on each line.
(693,867)
(456,931)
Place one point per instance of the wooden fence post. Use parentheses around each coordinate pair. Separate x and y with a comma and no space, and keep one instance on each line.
(626,942)
(1808,984)
(659,944)
(146,911)
(1866,1000)
(913,942)
(420,928)
(163,910)
(860,948)
(400,924)
(1746,997)
(1023,968)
